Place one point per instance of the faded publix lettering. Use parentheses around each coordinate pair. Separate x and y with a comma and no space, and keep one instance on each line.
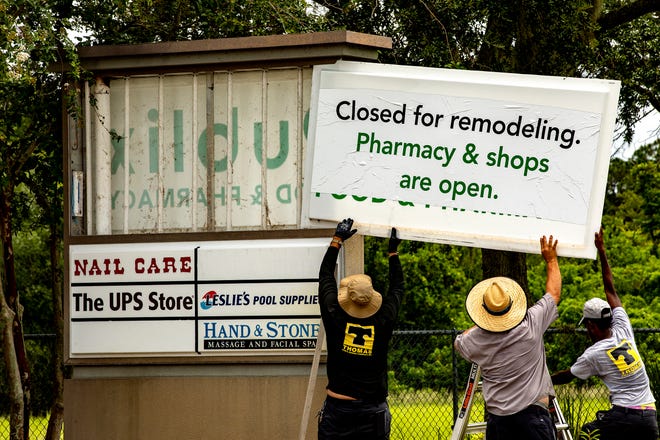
(177,197)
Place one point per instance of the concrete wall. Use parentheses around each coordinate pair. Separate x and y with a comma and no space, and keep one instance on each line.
(207,402)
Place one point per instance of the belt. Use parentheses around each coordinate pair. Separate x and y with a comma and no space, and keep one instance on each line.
(354,402)
(636,410)
(536,409)
(531,409)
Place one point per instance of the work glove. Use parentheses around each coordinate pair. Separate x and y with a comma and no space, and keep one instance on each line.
(344,230)
(394,242)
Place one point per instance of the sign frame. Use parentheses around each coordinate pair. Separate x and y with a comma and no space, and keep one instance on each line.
(111,315)
(375,210)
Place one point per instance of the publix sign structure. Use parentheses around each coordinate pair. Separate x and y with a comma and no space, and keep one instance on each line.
(191,274)
(196,152)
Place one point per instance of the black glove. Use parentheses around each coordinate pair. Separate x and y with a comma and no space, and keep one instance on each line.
(344,229)
(394,242)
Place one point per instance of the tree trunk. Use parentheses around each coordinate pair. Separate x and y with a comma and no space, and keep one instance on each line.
(56,419)
(16,419)
(12,303)
(495,54)
(507,264)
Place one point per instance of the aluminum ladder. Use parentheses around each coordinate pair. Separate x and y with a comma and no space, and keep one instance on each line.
(463,427)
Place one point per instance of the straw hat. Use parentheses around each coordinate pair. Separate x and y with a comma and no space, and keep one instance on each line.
(357,296)
(497,304)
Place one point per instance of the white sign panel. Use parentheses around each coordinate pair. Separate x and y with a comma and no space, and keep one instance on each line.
(227,297)
(472,158)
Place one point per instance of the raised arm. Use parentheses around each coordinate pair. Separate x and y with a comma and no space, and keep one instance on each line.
(327,280)
(553,275)
(562,377)
(396,273)
(608,280)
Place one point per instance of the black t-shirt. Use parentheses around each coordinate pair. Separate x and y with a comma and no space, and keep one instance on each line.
(357,347)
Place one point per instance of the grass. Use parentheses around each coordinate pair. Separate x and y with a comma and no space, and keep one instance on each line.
(428,415)
(580,407)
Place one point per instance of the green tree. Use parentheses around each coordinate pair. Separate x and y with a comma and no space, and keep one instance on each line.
(584,38)
(148,21)
(437,277)
(647,184)
(33,36)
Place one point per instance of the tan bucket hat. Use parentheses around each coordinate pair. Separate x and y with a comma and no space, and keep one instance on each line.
(497,304)
(357,296)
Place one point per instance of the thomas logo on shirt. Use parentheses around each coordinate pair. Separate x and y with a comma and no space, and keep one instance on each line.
(359,339)
(625,357)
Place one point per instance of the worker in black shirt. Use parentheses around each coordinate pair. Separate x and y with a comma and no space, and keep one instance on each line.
(358,322)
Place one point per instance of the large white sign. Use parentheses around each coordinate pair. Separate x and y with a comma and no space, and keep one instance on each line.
(472,158)
(227,297)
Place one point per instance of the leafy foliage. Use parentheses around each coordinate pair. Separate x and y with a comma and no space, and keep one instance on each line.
(148,21)
(33,269)
(585,38)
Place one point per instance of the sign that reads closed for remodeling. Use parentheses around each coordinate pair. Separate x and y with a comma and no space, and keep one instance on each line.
(472,158)
(225,297)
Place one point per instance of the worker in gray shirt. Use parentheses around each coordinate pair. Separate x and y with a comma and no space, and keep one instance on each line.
(507,344)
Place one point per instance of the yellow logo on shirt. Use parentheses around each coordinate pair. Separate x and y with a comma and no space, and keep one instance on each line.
(625,357)
(358,339)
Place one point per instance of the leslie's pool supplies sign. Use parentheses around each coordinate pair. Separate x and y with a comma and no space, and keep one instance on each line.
(472,158)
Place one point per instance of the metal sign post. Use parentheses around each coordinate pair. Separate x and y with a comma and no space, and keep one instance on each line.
(312,383)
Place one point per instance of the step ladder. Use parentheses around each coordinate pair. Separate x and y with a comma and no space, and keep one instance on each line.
(462,426)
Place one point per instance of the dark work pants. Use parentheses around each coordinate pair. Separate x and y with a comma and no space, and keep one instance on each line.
(354,420)
(532,423)
(624,423)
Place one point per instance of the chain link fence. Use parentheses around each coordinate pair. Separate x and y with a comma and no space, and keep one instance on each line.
(40,349)
(427,382)
(38,427)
